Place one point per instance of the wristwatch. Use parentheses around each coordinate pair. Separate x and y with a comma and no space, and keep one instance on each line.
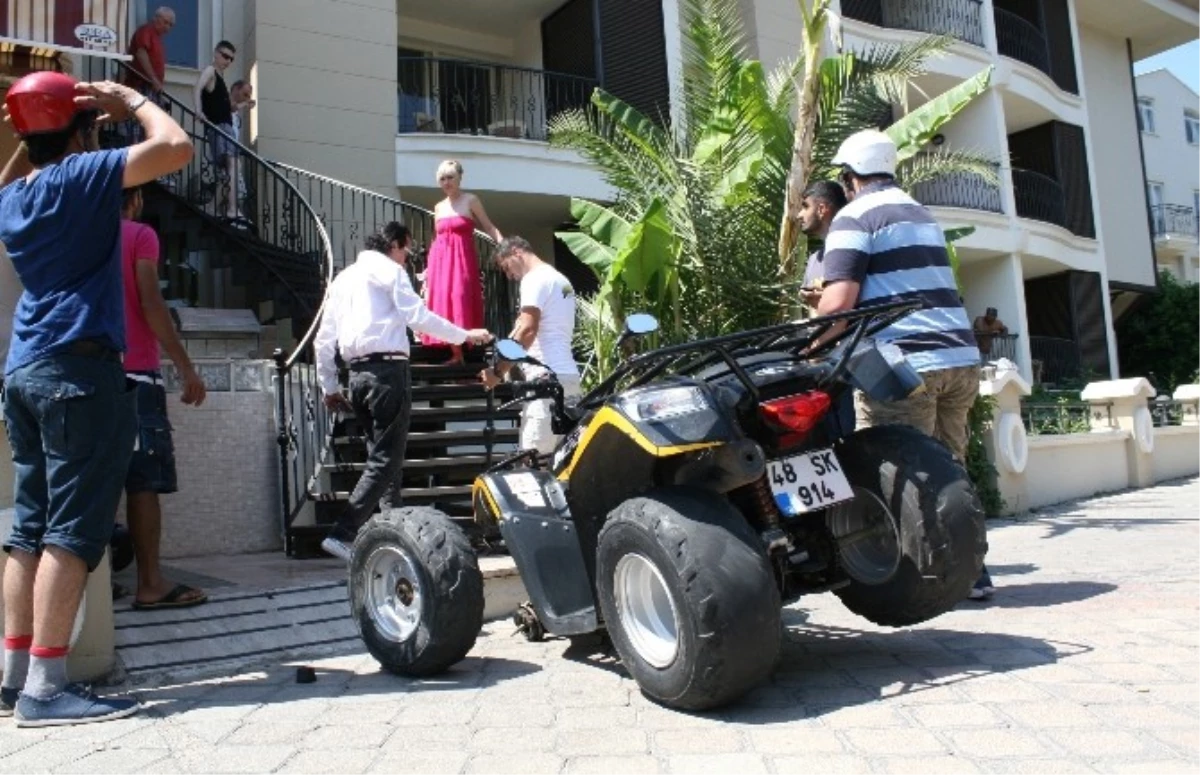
(134,108)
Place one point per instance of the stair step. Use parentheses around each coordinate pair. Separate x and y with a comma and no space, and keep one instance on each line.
(458,392)
(426,414)
(443,438)
(413,496)
(426,465)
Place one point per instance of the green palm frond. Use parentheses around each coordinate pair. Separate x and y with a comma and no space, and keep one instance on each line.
(892,67)
(943,163)
(714,51)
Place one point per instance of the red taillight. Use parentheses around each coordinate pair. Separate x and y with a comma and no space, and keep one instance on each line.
(796,414)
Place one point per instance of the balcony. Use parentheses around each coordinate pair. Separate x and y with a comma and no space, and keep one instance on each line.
(1039,197)
(1021,40)
(1175,222)
(452,96)
(960,189)
(959,19)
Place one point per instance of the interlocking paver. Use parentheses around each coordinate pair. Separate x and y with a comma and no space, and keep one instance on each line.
(1091,665)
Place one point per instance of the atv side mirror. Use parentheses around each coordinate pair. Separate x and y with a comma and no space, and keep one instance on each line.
(511,350)
(640,323)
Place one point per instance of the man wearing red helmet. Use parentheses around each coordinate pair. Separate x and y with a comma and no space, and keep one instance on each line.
(70,418)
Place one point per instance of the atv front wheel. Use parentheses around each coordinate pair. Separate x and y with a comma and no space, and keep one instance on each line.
(688,597)
(912,540)
(416,592)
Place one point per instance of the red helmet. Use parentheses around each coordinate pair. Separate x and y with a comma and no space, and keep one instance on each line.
(42,102)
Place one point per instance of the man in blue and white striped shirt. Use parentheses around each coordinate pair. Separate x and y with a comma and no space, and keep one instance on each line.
(886,247)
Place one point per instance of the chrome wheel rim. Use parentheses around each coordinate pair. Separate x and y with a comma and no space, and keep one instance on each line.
(394,598)
(868,537)
(646,610)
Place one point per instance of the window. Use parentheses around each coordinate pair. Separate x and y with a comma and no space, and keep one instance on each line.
(1145,115)
(190,41)
(1154,194)
(1191,127)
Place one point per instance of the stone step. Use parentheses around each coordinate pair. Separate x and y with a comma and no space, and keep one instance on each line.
(240,625)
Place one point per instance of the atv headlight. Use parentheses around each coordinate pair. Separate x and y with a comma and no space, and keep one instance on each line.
(664,404)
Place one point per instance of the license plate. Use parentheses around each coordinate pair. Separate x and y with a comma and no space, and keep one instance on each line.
(808,482)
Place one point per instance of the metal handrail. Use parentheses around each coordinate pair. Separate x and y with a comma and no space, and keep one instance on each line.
(960,189)
(1022,40)
(1176,220)
(1039,197)
(461,96)
(961,19)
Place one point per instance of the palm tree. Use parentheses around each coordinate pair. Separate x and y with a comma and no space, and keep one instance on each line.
(697,233)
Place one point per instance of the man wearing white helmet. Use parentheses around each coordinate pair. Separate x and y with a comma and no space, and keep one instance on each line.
(886,247)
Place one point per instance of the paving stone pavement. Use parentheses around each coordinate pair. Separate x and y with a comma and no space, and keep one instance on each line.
(1086,661)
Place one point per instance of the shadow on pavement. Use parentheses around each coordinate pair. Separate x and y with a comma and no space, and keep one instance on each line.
(278,684)
(1042,594)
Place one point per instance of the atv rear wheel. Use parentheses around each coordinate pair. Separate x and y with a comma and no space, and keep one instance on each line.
(912,540)
(416,592)
(688,598)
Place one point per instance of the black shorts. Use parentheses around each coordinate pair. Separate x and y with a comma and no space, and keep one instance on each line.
(152,468)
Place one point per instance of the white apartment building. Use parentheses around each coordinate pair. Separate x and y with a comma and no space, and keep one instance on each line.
(375,93)
(1169,119)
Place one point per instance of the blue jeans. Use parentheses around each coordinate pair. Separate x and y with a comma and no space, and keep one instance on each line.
(70,421)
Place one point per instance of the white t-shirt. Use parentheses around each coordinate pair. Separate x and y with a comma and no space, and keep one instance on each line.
(546,289)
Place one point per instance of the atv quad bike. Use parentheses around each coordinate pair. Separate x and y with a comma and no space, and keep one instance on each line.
(703,485)
(695,491)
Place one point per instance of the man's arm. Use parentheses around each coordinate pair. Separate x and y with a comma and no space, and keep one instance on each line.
(325,345)
(166,147)
(146,69)
(420,319)
(202,83)
(18,166)
(525,330)
(158,317)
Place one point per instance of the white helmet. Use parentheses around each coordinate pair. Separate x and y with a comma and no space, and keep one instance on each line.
(869,152)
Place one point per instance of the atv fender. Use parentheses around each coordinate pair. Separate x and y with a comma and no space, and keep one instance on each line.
(537,528)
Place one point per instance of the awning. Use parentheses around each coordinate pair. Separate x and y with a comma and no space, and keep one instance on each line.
(88,27)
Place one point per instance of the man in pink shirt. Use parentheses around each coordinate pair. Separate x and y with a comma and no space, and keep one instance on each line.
(152,469)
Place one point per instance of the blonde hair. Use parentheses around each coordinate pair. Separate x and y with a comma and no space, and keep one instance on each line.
(450,165)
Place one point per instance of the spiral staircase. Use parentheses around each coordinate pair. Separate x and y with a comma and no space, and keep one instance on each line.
(294,232)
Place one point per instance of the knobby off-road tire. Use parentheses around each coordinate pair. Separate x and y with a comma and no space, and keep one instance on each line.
(690,556)
(928,496)
(416,592)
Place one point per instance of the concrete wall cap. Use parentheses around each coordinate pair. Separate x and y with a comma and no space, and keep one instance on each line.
(1005,380)
(1135,387)
(1187,393)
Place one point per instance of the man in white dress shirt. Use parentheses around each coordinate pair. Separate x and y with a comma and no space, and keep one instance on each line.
(370,307)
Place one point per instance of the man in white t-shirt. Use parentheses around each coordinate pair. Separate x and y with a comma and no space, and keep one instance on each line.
(545,328)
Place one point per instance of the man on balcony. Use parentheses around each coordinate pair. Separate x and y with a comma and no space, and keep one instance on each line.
(885,247)
(369,309)
(148,70)
(986,328)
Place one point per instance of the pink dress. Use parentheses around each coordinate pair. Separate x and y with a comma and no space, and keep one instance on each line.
(453,286)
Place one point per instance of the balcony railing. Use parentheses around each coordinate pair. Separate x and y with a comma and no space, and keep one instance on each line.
(1175,221)
(993,347)
(960,189)
(1020,39)
(1039,197)
(454,96)
(1054,360)
(957,18)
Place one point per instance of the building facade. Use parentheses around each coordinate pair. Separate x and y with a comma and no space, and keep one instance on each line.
(1169,120)
(375,93)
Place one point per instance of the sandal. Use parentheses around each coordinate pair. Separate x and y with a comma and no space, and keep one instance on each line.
(173,599)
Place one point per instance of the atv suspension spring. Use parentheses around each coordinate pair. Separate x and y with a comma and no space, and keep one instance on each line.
(763,514)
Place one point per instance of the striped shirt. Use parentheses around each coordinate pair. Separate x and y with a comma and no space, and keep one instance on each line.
(891,245)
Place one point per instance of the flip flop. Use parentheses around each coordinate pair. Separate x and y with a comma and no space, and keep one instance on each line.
(172,599)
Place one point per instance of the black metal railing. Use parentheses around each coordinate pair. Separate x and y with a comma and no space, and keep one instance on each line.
(454,96)
(1020,39)
(1167,412)
(1175,221)
(350,213)
(1055,360)
(961,19)
(1043,418)
(993,347)
(1039,197)
(960,189)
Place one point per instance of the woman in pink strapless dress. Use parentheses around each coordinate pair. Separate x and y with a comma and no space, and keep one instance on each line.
(453,288)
